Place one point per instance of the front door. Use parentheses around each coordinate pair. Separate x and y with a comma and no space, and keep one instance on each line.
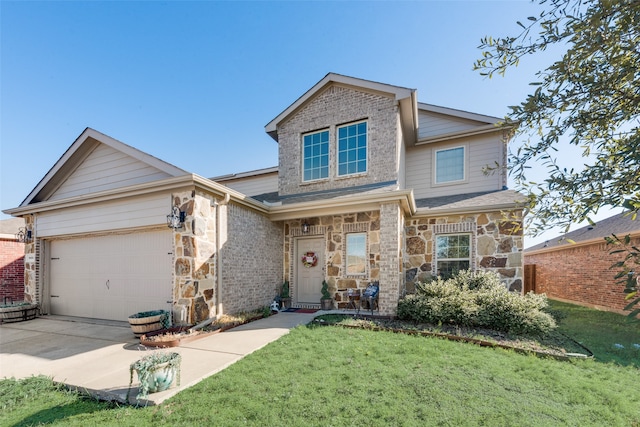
(310,272)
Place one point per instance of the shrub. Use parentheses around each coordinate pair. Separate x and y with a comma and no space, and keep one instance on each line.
(477,299)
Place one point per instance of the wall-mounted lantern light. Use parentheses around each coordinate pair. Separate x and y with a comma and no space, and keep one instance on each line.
(23,235)
(176,218)
(305,228)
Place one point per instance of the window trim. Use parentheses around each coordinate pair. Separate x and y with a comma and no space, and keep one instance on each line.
(337,151)
(303,158)
(346,253)
(465,165)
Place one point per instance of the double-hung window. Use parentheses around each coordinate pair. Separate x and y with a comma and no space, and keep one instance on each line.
(453,254)
(315,155)
(356,256)
(449,165)
(352,149)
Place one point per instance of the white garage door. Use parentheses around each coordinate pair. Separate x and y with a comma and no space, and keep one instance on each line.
(111,277)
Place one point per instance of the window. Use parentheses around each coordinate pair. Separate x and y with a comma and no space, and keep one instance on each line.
(453,253)
(450,165)
(352,149)
(315,155)
(356,253)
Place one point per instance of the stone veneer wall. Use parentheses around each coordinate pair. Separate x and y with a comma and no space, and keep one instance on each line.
(383,252)
(32,278)
(338,105)
(498,246)
(195,259)
(250,256)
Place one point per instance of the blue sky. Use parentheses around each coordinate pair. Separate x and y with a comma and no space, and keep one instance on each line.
(194,83)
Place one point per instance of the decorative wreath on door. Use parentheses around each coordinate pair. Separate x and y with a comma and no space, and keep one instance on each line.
(309,259)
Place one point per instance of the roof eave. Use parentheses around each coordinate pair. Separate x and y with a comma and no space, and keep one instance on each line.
(354,203)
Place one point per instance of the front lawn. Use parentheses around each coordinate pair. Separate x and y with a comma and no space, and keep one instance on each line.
(326,376)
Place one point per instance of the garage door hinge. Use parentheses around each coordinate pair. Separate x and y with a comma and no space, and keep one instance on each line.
(55,258)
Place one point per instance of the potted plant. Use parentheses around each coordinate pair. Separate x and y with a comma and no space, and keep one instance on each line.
(156,372)
(149,321)
(326,302)
(18,311)
(285,296)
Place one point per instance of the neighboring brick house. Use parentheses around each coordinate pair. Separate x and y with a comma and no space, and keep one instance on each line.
(371,186)
(576,267)
(11,261)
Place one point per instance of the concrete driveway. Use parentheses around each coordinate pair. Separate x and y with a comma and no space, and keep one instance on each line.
(93,356)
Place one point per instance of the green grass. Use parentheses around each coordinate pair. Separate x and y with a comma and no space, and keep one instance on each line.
(325,376)
(600,331)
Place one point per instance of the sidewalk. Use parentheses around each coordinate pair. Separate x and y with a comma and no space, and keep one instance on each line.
(94,356)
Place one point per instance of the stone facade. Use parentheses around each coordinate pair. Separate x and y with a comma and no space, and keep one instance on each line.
(496,246)
(32,264)
(383,229)
(250,250)
(334,106)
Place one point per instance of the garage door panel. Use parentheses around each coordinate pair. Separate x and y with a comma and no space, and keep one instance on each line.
(111,277)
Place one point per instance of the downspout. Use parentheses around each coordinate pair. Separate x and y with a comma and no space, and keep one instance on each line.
(217,205)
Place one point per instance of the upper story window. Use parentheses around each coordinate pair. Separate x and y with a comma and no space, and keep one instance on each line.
(315,155)
(352,149)
(449,165)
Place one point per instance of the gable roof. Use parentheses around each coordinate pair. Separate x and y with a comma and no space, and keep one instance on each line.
(82,147)
(621,225)
(405,97)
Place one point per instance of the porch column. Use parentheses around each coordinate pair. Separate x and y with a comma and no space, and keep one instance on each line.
(391,225)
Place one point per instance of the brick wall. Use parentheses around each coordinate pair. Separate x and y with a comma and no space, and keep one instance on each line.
(252,260)
(11,271)
(339,105)
(580,274)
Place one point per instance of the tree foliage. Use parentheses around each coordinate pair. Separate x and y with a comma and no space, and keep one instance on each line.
(590,98)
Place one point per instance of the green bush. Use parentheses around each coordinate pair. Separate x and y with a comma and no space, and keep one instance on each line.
(477,299)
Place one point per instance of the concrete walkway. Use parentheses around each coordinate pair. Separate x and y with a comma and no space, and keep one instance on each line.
(94,356)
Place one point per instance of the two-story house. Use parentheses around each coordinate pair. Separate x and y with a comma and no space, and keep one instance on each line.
(371,186)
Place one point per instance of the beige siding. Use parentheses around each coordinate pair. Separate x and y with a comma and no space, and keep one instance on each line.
(481,151)
(105,169)
(252,186)
(143,211)
(434,124)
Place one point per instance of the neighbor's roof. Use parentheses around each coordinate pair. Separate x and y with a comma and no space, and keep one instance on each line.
(621,225)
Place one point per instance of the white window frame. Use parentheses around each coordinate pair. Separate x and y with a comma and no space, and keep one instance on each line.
(346,175)
(465,163)
(438,259)
(302,156)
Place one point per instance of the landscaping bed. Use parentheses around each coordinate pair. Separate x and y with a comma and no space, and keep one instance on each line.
(173,337)
(554,344)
